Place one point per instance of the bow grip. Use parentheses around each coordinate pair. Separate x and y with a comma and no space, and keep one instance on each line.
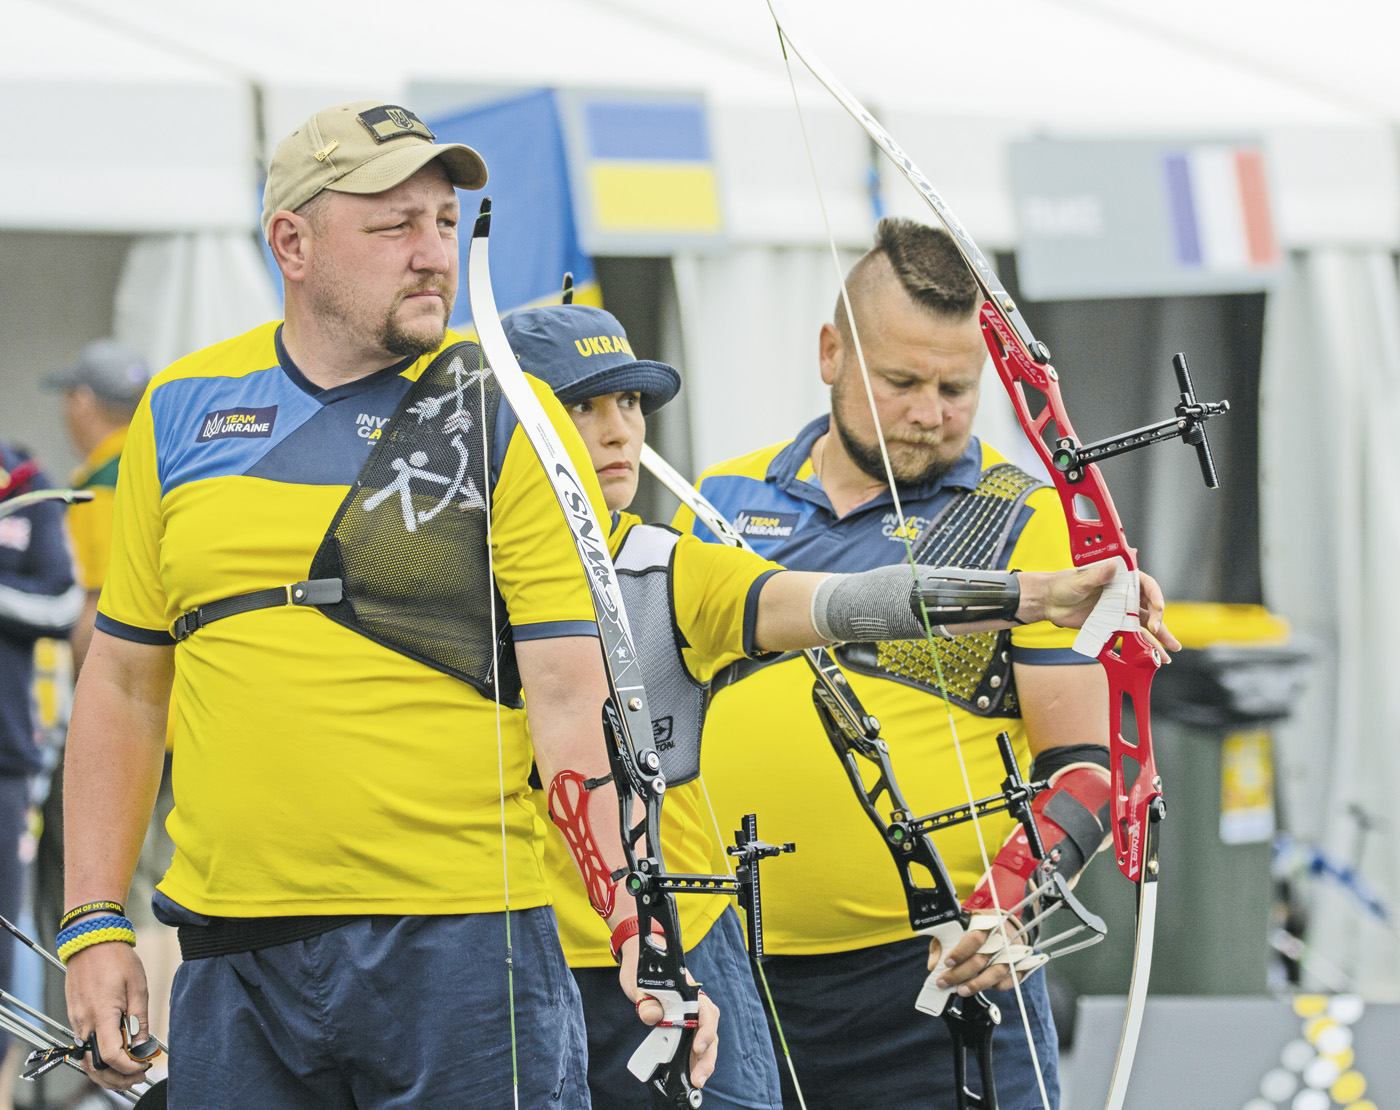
(668,1039)
(932,998)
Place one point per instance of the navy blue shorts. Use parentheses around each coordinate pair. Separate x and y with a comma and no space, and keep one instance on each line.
(745,1076)
(856,1039)
(385,1013)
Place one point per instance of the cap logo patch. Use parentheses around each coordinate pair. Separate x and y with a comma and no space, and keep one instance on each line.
(389,121)
(604,345)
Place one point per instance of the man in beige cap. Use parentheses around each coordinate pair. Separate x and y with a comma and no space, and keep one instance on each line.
(350,823)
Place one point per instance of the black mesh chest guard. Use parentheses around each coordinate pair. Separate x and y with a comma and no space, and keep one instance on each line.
(409,540)
(971,532)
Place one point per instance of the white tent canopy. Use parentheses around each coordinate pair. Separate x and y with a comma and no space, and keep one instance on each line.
(114,133)
(159,83)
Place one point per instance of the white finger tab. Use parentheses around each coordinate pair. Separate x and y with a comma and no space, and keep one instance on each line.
(985,922)
(659,1048)
(1116,611)
(932,998)
(1011,954)
(665,1037)
(1031,962)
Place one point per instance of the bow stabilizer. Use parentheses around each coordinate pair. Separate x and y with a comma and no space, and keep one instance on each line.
(25,500)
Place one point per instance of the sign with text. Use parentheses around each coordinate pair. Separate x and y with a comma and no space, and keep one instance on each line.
(1136,218)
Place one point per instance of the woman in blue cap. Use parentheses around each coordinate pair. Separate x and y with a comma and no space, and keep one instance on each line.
(695,608)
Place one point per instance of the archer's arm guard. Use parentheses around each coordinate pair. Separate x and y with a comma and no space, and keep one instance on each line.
(888,603)
(568,809)
(1072,818)
(953,596)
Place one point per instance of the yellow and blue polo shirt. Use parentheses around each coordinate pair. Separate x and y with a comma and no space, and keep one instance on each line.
(714,606)
(765,751)
(316,771)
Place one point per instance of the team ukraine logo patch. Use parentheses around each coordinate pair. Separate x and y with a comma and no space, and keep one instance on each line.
(237,424)
(752,522)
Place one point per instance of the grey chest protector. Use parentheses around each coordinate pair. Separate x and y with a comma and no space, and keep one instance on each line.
(678,700)
(972,531)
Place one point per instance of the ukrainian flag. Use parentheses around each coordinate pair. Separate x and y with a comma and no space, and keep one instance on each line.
(650,169)
(534,239)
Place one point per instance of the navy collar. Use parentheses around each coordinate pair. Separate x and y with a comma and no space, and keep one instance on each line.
(349,389)
(783,470)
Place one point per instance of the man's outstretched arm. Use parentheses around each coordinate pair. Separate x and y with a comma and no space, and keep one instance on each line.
(802,609)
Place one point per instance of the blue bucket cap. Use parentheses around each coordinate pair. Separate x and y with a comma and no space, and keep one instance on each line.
(582,352)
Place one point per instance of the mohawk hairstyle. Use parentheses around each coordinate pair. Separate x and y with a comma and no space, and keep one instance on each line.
(927,265)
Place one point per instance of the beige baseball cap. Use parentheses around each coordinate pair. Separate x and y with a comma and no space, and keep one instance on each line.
(365,146)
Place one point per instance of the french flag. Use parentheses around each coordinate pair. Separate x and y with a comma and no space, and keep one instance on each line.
(1219,199)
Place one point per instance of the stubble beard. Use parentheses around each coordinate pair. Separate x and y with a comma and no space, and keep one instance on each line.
(398,340)
(333,303)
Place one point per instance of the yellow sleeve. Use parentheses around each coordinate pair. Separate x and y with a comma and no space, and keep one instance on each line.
(536,563)
(715,597)
(132,594)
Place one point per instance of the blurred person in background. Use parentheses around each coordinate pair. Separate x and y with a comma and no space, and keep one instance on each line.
(38,598)
(100,394)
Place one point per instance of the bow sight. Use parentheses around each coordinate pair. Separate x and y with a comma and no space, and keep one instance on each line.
(1071,458)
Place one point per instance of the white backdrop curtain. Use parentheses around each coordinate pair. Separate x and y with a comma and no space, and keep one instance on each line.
(179,293)
(1330,518)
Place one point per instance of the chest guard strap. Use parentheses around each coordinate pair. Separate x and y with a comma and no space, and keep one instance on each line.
(316,591)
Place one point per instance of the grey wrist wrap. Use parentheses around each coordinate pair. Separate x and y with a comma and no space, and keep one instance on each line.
(884,603)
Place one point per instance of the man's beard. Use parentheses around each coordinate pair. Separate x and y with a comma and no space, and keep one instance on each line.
(867,456)
(333,301)
(398,341)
